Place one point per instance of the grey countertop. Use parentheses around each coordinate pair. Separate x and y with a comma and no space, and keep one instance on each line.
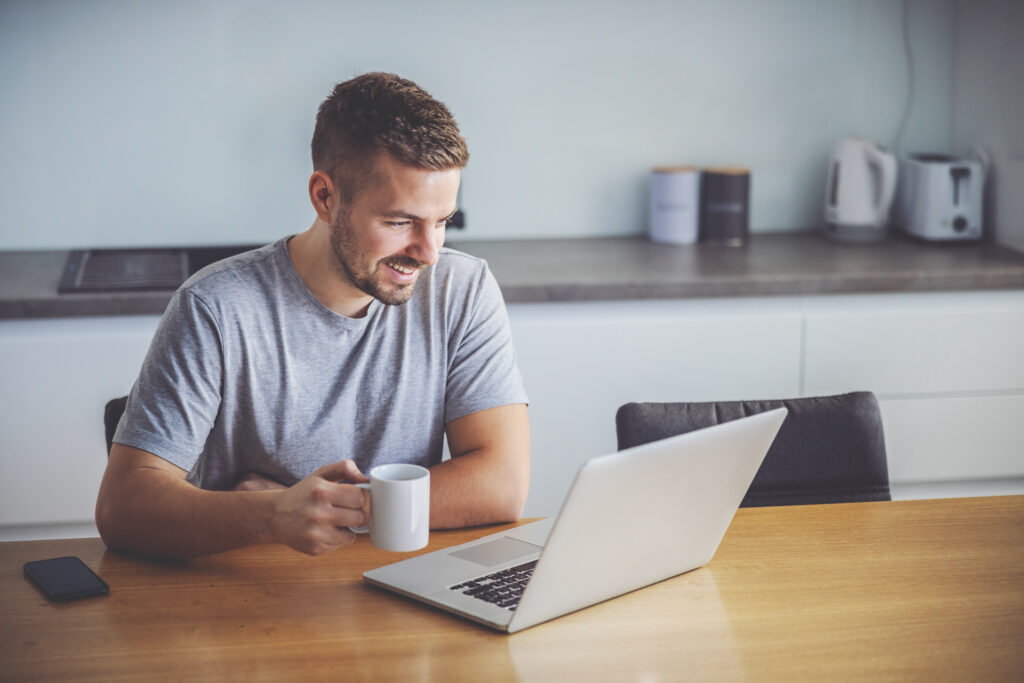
(602,269)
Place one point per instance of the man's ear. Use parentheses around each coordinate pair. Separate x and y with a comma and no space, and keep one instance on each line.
(322,195)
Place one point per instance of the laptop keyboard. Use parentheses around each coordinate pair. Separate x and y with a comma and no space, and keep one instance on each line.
(503,588)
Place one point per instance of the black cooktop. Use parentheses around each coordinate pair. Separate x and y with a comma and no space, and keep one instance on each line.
(138,270)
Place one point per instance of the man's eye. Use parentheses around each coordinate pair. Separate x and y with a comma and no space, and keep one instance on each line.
(443,223)
(397,224)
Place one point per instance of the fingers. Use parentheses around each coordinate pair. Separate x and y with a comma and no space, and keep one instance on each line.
(344,470)
(342,495)
(313,515)
(324,540)
(339,504)
(315,524)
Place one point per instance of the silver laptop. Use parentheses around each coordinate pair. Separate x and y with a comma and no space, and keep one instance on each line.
(631,518)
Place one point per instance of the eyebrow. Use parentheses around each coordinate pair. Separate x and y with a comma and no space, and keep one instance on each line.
(412,216)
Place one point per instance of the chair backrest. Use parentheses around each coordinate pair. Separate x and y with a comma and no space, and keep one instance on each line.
(112,413)
(830,449)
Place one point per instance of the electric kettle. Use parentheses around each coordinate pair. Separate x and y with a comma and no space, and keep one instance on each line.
(860,190)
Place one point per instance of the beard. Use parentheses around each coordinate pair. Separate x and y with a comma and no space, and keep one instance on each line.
(369,278)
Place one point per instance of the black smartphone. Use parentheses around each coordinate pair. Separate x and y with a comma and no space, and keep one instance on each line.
(65,578)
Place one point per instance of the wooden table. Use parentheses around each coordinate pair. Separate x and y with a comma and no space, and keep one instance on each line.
(911,590)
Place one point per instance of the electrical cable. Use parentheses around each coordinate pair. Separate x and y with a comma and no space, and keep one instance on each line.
(910,78)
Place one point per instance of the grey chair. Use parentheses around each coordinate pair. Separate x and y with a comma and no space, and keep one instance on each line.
(830,449)
(112,413)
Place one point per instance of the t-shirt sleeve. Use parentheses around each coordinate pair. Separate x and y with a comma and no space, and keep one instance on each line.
(483,372)
(172,406)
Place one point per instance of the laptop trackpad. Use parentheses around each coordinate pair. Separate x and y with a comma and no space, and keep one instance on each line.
(497,551)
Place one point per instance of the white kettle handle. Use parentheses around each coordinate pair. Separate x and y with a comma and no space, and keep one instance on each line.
(886,164)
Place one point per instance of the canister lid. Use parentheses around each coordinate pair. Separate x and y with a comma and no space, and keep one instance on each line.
(728,170)
(674,169)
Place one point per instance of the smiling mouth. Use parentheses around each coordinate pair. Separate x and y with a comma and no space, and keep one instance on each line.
(401,269)
(404,266)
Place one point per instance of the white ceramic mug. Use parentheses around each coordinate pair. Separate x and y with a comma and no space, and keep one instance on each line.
(399,507)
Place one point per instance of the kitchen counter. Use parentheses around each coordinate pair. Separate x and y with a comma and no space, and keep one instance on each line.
(602,269)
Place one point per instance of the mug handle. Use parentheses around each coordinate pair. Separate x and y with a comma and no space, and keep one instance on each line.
(365,529)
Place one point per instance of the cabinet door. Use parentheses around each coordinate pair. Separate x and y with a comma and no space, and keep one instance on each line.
(948,370)
(921,344)
(57,376)
(581,361)
(954,438)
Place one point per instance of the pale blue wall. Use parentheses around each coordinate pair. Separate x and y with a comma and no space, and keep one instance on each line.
(988,106)
(142,123)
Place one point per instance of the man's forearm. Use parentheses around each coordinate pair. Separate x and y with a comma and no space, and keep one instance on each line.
(146,505)
(163,517)
(469,491)
(487,480)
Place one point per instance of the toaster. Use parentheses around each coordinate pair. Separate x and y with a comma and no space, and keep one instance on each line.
(939,197)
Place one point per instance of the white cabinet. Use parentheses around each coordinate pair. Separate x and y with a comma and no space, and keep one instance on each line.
(581,361)
(948,369)
(916,344)
(56,377)
(954,438)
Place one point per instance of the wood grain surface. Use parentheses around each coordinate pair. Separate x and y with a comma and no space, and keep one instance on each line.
(909,590)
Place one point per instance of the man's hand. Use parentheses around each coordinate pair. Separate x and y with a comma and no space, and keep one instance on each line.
(313,515)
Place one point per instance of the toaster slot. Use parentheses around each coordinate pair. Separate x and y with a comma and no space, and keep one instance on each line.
(960,175)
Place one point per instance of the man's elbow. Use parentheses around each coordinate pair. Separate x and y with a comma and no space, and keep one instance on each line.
(106,522)
(112,521)
(507,511)
(509,506)
(118,523)
(120,530)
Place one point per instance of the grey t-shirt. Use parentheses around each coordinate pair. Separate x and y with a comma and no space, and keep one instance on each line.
(249,372)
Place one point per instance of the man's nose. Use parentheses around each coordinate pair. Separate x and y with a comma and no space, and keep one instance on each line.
(425,244)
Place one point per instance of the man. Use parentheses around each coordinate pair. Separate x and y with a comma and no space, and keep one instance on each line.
(277,377)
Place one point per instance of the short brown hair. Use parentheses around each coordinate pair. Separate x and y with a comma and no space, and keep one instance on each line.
(382,112)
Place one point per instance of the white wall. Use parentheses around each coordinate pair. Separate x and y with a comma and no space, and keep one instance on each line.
(148,123)
(988,105)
